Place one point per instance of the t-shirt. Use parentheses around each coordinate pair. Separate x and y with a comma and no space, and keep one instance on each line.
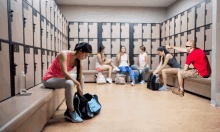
(200,61)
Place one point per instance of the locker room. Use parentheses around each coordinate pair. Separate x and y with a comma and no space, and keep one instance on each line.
(34,32)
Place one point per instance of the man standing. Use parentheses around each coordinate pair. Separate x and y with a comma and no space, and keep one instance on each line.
(199,60)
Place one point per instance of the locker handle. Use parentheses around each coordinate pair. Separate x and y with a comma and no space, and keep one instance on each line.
(25,18)
(15,69)
(35,66)
(26,68)
(12,11)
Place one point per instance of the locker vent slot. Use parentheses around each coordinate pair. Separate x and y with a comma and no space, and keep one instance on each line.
(182,14)
(181,54)
(207,52)
(153,55)
(113,39)
(26,6)
(43,52)
(80,23)
(198,6)
(176,36)
(36,51)
(189,10)
(71,23)
(170,37)
(104,23)
(51,26)
(176,17)
(0,46)
(182,34)
(16,48)
(91,55)
(90,23)
(153,24)
(207,27)
(165,22)
(170,19)
(114,23)
(81,39)
(122,24)
(145,24)
(144,40)
(135,24)
(51,53)
(189,32)
(122,39)
(91,39)
(135,55)
(27,50)
(42,19)
(104,39)
(48,52)
(208,1)
(161,40)
(34,12)
(166,38)
(135,40)
(113,55)
(198,30)
(153,40)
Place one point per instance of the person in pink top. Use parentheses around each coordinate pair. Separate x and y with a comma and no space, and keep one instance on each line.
(58,76)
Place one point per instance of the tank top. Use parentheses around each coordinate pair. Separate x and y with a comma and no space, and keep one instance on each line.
(173,63)
(54,69)
(142,59)
(97,61)
(124,60)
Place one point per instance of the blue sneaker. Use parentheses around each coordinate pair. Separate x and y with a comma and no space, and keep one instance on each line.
(73,116)
(163,88)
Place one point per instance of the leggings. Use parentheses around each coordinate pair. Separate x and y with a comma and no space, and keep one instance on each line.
(64,83)
(144,70)
(124,69)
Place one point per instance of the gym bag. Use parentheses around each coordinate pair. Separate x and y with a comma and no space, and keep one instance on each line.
(100,78)
(120,78)
(153,82)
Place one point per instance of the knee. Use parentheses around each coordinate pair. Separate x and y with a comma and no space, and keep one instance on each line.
(163,71)
(110,68)
(69,84)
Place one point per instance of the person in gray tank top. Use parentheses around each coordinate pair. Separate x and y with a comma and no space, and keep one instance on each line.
(166,59)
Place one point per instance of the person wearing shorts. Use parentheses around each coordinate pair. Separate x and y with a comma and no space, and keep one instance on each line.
(200,69)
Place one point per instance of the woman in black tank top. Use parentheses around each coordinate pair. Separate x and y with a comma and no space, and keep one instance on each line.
(166,59)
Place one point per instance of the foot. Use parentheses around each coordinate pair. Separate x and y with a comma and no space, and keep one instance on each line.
(178,92)
(116,69)
(133,83)
(73,116)
(163,88)
(109,80)
(142,82)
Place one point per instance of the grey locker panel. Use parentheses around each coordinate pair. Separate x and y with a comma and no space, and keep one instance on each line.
(209,56)
(167,28)
(52,11)
(38,67)
(208,42)
(48,59)
(191,18)
(155,31)
(44,33)
(124,30)
(48,9)
(82,40)
(172,26)
(85,64)
(177,56)
(17,21)
(116,30)
(115,46)
(5,86)
(106,27)
(28,29)
(52,39)
(29,59)
(36,4)
(177,42)
(44,61)
(125,42)
(183,39)
(171,39)
(200,38)
(147,44)
(200,18)
(52,56)
(19,65)
(177,24)
(136,61)
(73,30)
(83,30)
(137,30)
(155,61)
(48,36)
(43,8)
(94,44)
(107,44)
(155,45)
(191,35)
(183,21)
(4,20)
(164,30)
(37,30)
(73,43)
(92,62)
(137,44)
(146,30)
(183,59)
(209,12)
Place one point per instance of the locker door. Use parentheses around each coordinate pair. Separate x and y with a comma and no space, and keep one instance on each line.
(166,42)
(115,46)
(5,70)
(85,64)
(154,61)
(73,30)
(136,60)
(164,30)
(52,56)
(82,40)
(52,38)
(44,33)
(52,11)
(177,56)
(146,30)
(19,65)
(48,59)
(125,42)
(36,5)
(155,45)
(172,26)
(183,21)
(209,56)
(92,62)
(114,59)
(171,39)
(4,20)
(36,29)
(167,28)
(107,44)
(177,42)
(156,31)
(48,36)
(115,30)
(37,66)
(183,39)
(124,30)
(44,61)
(200,11)
(177,24)
(29,62)
(208,42)
(137,44)
(137,30)
(200,38)
(43,8)
(191,18)
(28,28)
(83,30)
(208,11)
(106,30)
(191,35)
(94,44)
(162,42)
(183,59)
(48,9)
(17,21)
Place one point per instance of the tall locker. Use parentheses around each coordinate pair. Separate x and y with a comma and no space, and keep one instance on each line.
(83,30)
(107,44)
(183,59)
(115,30)
(177,23)
(200,14)
(208,40)
(191,35)
(177,57)
(48,9)
(183,39)
(29,66)
(80,40)
(37,66)
(125,42)
(48,59)
(52,38)
(191,18)
(137,44)
(155,31)
(208,11)
(17,21)
(36,5)
(106,30)
(48,36)
(177,42)
(136,60)
(44,32)
(137,30)
(115,46)
(172,26)
(146,30)
(73,31)
(93,29)
(52,11)
(5,71)
(154,61)
(155,45)
(183,21)
(124,30)
(167,28)
(171,39)
(43,8)
(147,45)
(200,38)
(85,64)
(18,65)
(28,24)
(94,44)
(92,62)
(44,61)
(36,29)
(4,20)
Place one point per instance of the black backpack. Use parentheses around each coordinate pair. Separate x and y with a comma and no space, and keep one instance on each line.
(152,82)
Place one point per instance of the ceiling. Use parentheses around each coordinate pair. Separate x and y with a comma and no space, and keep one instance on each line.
(137,3)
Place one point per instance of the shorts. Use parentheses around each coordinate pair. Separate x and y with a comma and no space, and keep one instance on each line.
(177,69)
(98,69)
(191,73)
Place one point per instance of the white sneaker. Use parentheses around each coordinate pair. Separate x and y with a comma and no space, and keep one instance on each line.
(142,82)
(116,69)
(109,80)
(140,71)
(132,84)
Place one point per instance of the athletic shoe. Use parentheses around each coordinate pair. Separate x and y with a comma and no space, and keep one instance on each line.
(109,80)
(178,92)
(116,69)
(133,83)
(163,88)
(73,117)
(140,71)
(142,82)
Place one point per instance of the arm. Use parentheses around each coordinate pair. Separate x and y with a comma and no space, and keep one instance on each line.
(186,67)
(128,60)
(181,49)
(165,62)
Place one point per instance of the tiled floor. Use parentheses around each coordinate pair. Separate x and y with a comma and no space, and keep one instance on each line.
(138,109)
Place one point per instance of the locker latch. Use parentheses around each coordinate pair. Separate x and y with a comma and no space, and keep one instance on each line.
(34,26)
(15,69)
(42,66)
(24,21)
(35,65)
(12,15)
(0,46)
(26,67)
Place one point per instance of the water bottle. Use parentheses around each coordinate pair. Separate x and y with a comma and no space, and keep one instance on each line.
(22,83)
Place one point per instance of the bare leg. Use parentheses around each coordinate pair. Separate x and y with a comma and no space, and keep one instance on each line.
(105,68)
(180,78)
(164,74)
(112,65)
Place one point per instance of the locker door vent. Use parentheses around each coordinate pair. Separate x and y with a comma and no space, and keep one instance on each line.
(90,39)
(198,6)
(0,46)
(161,24)
(170,19)
(208,1)
(145,24)
(153,24)
(153,40)
(182,34)
(71,39)
(136,55)
(48,52)
(189,10)
(90,23)
(207,52)
(189,32)
(104,39)
(34,12)
(114,23)
(122,24)
(104,23)
(113,55)
(43,52)
(176,55)
(144,40)
(181,54)
(27,50)
(113,39)
(135,24)
(176,36)
(71,23)
(182,14)
(122,39)
(81,39)
(91,55)
(16,48)
(207,27)
(80,23)
(26,6)
(135,40)
(197,29)
(176,17)
(42,19)
(36,51)
(170,37)
(153,55)
(51,53)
